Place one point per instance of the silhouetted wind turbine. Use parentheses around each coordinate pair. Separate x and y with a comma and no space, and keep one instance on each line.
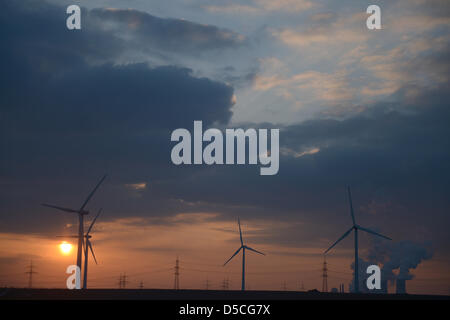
(243,247)
(87,245)
(355,227)
(81,212)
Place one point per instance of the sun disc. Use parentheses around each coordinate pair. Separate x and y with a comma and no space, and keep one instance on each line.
(65,247)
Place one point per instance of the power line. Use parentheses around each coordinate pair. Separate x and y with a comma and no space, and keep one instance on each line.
(252,273)
(133,275)
(340,272)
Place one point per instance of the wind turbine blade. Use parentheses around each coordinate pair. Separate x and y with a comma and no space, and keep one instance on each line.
(351,205)
(251,249)
(240,232)
(67,236)
(92,250)
(92,193)
(93,221)
(59,208)
(237,251)
(343,236)
(372,232)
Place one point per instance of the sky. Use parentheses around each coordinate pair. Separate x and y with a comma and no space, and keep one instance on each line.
(359,107)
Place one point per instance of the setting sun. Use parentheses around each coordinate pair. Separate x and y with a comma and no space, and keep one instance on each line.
(65,247)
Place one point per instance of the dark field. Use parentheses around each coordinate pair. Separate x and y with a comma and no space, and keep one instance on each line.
(160,294)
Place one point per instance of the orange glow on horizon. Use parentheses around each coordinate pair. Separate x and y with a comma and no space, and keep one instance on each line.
(202,242)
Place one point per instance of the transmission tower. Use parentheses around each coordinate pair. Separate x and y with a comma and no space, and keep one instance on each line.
(122,281)
(176,284)
(30,273)
(225,284)
(324,276)
(141,285)
(207,284)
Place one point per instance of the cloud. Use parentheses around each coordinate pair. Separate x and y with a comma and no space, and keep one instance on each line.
(310,85)
(420,63)
(136,186)
(151,33)
(262,7)
(366,71)
(418,16)
(63,114)
(325,28)
(296,154)
(68,114)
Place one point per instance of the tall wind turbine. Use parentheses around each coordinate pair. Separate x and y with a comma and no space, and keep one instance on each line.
(355,227)
(86,252)
(81,212)
(243,247)
(87,245)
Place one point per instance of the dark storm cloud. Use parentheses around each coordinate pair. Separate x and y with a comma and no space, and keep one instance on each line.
(35,33)
(398,163)
(62,116)
(173,35)
(122,99)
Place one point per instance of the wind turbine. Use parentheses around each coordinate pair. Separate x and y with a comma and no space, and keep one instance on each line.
(355,227)
(87,245)
(81,212)
(243,247)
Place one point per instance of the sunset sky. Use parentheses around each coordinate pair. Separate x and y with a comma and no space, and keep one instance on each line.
(358,107)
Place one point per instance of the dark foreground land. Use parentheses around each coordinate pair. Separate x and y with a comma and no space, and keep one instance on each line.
(161,294)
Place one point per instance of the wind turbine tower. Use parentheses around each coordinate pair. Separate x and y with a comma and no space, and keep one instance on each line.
(355,228)
(243,247)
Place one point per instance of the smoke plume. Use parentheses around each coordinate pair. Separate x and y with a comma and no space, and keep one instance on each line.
(396,260)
